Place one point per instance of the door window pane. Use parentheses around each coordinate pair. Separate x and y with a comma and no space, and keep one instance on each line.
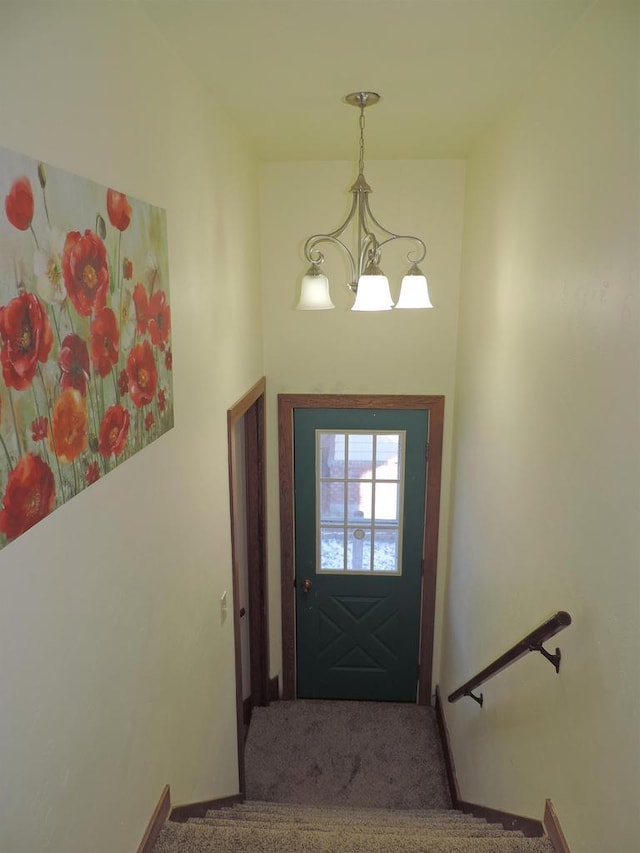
(387,506)
(360,481)
(360,454)
(359,501)
(332,549)
(332,454)
(387,451)
(331,500)
(358,549)
(385,552)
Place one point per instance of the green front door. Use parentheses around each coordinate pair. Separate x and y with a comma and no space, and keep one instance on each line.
(359,524)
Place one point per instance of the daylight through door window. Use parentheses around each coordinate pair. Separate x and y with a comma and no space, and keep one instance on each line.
(360,476)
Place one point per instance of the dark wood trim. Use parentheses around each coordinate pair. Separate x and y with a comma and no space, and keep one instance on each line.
(274,689)
(447,752)
(287,403)
(248,704)
(156,822)
(254,429)
(242,406)
(247,708)
(553,828)
(181,814)
(252,402)
(430,548)
(285,457)
(529,826)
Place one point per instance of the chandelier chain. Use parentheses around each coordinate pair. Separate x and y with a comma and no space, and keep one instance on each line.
(361,162)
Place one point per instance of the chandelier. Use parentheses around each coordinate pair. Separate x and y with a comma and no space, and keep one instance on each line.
(369,284)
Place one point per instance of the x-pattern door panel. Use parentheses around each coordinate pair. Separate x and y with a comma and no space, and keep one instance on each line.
(351,633)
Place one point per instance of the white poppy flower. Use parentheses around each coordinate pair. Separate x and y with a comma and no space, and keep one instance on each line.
(47,266)
(125,313)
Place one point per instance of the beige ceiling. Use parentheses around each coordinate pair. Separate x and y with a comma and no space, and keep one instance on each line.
(445,68)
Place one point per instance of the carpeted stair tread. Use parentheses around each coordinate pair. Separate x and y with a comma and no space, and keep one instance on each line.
(310,808)
(201,838)
(346,815)
(374,829)
(364,822)
(255,806)
(348,818)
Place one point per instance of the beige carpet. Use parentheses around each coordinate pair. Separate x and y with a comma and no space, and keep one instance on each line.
(279,828)
(346,753)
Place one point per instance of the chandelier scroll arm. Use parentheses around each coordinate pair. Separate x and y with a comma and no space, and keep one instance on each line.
(333,234)
(315,256)
(421,248)
(391,236)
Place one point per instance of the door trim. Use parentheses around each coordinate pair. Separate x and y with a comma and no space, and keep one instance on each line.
(287,404)
(251,408)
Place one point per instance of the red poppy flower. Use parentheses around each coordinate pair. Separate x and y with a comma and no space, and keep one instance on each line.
(26,339)
(162,400)
(69,425)
(148,421)
(119,210)
(85,271)
(141,302)
(143,376)
(123,382)
(29,497)
(39,429)
(168,359)
(93,473)
(159,318)
(127,269)
(74,364)
(19,204)
(114,430)
(105,340)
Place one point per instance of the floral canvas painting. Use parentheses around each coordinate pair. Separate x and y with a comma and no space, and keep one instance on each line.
(85,336)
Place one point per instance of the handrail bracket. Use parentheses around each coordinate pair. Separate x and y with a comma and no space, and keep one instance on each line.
(479,699)
(553,659)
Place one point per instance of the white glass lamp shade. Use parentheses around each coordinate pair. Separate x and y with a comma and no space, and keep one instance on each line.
(373,292)
(414,292)
(314,291)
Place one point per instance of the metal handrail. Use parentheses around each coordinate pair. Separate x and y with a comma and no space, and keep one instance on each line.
(533,642)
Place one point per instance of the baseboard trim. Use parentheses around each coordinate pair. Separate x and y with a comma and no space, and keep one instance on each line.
(450,767)
(182,813)
(247,708)
(158,819)
(274,689)
(529,826)
(553,828)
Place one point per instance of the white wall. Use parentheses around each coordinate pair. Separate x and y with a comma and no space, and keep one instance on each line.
(116,672)
(339,351)
(547,474)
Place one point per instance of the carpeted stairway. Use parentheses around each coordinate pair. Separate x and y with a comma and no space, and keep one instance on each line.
(343,777)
